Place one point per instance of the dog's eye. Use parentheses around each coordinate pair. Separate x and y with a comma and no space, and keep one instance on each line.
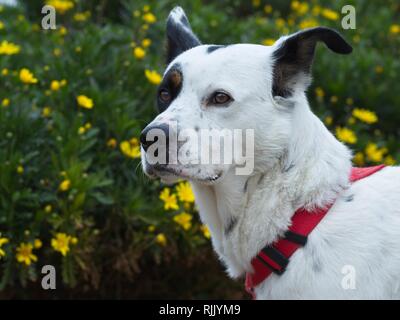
(164,96)
(220,97)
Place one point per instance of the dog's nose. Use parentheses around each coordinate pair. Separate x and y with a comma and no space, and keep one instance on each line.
(150,135)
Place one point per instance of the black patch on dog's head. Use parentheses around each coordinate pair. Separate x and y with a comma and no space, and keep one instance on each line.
(212,48)
(293,58)
(180,36)
(172,82)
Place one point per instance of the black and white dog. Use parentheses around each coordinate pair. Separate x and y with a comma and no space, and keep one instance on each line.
(298,163)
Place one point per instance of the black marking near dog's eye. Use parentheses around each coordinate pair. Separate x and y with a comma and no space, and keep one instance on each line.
(172,83)
(212,48)
(230,225)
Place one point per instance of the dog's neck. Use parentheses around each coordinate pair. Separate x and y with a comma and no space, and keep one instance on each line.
(246,213)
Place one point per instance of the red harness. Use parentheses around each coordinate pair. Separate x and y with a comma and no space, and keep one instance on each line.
(275,258)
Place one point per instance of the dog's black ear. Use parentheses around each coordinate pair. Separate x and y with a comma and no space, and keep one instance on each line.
(180,36)
(294,55)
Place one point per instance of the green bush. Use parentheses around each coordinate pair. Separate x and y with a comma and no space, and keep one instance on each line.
(74,100)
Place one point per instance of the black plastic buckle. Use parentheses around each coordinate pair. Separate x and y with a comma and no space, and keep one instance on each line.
(277,257)
(296,238)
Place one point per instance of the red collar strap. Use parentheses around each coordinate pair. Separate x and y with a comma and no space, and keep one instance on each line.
(275,258)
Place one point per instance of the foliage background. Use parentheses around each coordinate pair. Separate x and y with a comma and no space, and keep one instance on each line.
(126,244)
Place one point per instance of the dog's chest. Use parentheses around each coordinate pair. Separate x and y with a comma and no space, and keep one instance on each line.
(251,221)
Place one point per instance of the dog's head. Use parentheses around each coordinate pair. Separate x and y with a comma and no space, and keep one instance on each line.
(219,89)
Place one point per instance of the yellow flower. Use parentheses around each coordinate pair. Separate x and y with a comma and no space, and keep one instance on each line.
(65,185)
(9,48)
(48,208)
(184,192)
(151,228)
(206,231)
(378,69)
(169,199)
(57,52)
(20,169)
(301,8)
(329,14)
(61,243)
(268,42)
(153,76)
(130,148)
(2,242)
(349,101)
(63,82)
(146,8)
(308,23)
(280,23)
(334,99)
(351,121)
(26,76)
(81,130)
(112,143)
(81,16)
(394,29)
(46,112)
(37,244)
(365,115)
(346,135)
(149,17)
(55,85)
(316,10)
(161,239)
(5,102)
(88,126)
(184,220)
(357,38)
(63,31)
(256,3)
(139,53)
(374,153)
(319,92)
(4,72)
(146,43)
(84,101)
(78,49)
(328,120)
(1,25)
(267,8)
(359,159)
(74,240)
(25,255)
(136,13)
(390,161)
(61,6)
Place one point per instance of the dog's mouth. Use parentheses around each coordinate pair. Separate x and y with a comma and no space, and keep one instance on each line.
(166,172)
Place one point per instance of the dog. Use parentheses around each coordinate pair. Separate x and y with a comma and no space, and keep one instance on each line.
(354,252)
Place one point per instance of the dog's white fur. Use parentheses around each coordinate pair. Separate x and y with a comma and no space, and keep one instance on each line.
(298,163)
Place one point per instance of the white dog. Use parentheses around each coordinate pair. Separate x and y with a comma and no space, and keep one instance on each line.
(354,252)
